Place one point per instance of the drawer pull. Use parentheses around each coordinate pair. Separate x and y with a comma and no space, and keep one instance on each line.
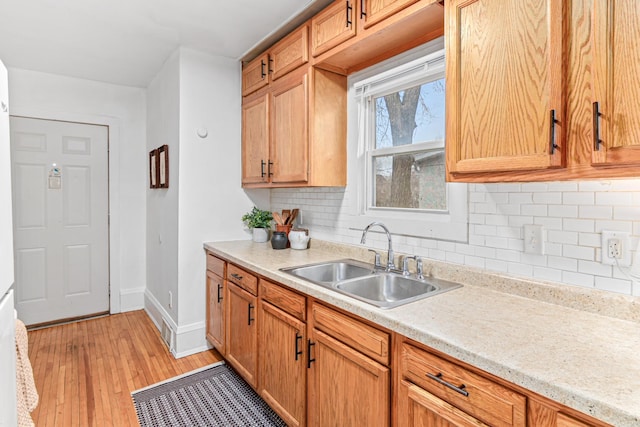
(310,360)
(236,276)
(249,318)
(596,126)
(298,351)
(219,294)
(460,389)
(552,132)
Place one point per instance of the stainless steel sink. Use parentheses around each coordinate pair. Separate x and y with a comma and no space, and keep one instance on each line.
(361,281)
(331,272)
(387,290)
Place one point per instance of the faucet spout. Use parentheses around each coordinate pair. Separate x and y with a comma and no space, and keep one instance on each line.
(390,255)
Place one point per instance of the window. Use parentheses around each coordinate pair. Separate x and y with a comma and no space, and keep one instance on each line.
(400,133)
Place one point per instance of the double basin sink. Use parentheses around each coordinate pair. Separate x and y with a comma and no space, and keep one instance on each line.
(361,281)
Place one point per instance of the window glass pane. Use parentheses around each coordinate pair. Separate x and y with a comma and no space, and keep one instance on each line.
(410,116)
(414,180)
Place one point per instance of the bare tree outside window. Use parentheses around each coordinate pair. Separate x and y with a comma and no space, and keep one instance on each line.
(410,178)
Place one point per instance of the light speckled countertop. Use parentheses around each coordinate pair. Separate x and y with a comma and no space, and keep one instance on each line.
(579,347)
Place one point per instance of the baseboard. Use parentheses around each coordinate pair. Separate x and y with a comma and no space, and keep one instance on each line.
(131,299)
(188,339)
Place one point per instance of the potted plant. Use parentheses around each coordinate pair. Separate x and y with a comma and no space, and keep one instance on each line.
(259,222)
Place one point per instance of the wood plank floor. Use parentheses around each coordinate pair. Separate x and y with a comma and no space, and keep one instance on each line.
(85,371)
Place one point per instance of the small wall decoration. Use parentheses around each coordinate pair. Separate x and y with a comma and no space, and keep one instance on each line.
(163,166)
(159,167)
(153,168)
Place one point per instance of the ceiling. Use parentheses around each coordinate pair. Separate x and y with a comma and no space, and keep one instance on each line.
(126,41)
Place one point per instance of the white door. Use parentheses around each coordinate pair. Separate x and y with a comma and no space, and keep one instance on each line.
(60,211)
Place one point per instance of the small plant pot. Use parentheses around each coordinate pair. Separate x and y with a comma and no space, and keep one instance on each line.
(260,235)
(279,240)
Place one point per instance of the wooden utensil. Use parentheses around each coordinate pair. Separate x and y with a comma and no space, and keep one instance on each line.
(277,218)
(285,215)
(294,214)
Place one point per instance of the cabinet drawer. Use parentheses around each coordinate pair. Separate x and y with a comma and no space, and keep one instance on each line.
(283,298)
(289,53)
(215,265)
(364,338)
(485,399)
(242,278)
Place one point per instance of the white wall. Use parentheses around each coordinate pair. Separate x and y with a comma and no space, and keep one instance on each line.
(573,213)
(123,109)
(205,200)
(163,115)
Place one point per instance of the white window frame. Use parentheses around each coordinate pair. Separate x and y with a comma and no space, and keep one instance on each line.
(418,66)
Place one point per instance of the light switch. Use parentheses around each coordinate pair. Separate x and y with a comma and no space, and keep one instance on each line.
(534,238)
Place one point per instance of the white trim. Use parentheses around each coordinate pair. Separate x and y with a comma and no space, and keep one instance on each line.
(132,299)
(189,339)
(114,184)
(418,65)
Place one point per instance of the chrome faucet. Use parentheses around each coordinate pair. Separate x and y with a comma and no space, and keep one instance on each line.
(390,263)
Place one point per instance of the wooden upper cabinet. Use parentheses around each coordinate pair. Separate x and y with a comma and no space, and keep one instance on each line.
(294,131)
(504,85)
(374,11)
(333,25)
(290,129)
(616,82)
(289,53)
(255,74)
(255,140)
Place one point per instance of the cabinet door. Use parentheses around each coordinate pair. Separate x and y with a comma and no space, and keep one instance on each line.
(289,53)
(255,140)
(215,311)
(289,129)
(242,337)
(346,388)
(334,25)
(504,82)
(617,82)
(374,11)
(255,75)
(282,364)
(419,408)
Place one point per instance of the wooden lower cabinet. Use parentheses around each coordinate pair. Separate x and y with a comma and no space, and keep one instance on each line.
(215,311)
(242,335)
(346,388)
(282,363)
(318,366)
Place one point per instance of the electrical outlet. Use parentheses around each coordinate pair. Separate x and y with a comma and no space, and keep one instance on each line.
(616,248)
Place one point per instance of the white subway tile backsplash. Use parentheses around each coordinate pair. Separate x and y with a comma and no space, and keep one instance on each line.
(613,285)
(573,213)
(574,198)
(563,211)
(586,225)
(548,198)
(579,252)
(624,213)
(578,279)
(595,212)
(614,198)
